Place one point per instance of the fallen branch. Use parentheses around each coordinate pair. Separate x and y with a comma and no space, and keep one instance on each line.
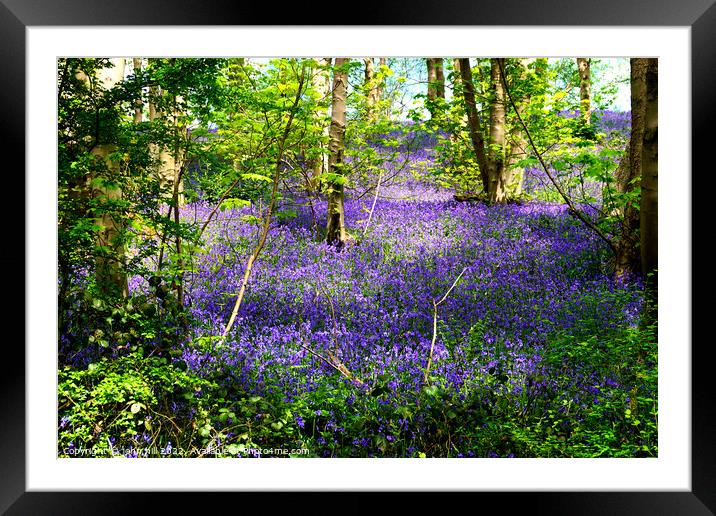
(335,364)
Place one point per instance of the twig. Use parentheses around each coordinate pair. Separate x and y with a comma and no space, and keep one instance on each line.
(435,323)
(333,315)
(375,198)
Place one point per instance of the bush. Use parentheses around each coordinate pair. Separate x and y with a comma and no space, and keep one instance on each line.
(137,406)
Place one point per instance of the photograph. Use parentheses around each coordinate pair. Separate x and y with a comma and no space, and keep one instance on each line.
(357,257)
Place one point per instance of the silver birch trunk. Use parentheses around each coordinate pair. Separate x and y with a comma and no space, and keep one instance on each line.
(585,89)
(335,228)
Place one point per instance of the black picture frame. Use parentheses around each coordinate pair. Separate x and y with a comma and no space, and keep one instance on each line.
(17,15)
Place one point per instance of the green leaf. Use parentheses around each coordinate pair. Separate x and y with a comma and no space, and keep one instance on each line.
(431,390)
(256,177)
(251,219)
(228,204)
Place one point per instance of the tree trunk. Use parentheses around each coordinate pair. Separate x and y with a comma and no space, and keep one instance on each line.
(478,142)
(321,83)
(585,88)
(649,190)
(496,154)
(515,175)
(335,228)
(371,89)
(456,75)
(491,160)
(111,276)
(379,88)
(440,78)
(432,79)
(627,258)
(170,159)
(436,83)
(138,104)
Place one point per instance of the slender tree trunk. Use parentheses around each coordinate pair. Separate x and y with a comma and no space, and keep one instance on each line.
(478,142)
(432,79)
(111,275)
(269,211)
(371,89)
(436,83)
(496,154)
(171,158)
(515,175)
(456,75)
(627,258)
(138,104)
(585,89)
(335,229)
(321,83)
(382,62)
(439,77)
(491,150)
(649,190)
(178,151)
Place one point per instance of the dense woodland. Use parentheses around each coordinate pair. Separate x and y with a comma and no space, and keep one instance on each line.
(356,257)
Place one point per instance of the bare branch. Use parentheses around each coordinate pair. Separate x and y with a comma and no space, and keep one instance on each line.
(435,323)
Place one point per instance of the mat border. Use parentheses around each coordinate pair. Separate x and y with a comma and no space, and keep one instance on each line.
(17,15)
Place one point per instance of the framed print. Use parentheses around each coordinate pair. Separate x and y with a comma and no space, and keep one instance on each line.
(680,479)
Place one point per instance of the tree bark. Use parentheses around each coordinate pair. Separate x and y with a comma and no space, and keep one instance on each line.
(478,142)
(649,190)
(111,276)
(432,79)
(371,89)
(138,104)
(496,153)
(585,89)
(321,83)
(436,83)
(514,175)
(490,150)
(628,173)
(440,77)
(335,228)
(382,62)
(170,159)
